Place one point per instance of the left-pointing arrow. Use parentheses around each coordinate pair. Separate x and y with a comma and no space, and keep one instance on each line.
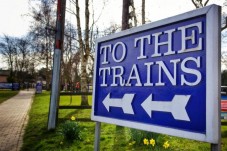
(176,106)
(125,103)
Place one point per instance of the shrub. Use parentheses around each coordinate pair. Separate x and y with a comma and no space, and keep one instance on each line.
(71,131)
(149,140)
(138,136)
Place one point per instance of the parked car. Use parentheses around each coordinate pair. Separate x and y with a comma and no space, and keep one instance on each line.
(224,102)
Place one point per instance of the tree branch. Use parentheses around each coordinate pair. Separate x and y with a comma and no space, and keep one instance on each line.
(195,4)
(205,4)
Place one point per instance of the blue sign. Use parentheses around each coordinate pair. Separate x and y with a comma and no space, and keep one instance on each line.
(5,85)
(15,86)
(155,77)
(12,86)
(38,87)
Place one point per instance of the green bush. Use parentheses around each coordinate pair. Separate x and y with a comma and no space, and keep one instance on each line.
(71,130)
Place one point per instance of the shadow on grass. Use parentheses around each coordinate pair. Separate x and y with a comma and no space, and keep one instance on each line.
(119,138)
(224,122)
(74,112)
(78,119)
(224,128)
(224,134)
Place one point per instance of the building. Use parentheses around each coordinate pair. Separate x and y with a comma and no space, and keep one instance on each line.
(4,74)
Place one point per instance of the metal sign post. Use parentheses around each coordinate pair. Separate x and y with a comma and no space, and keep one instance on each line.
(162,77)
(97,136)
(52,118)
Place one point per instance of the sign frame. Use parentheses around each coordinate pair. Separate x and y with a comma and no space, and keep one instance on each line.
(213,47)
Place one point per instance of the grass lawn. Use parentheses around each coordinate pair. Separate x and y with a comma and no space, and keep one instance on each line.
(6,94)
(113,138)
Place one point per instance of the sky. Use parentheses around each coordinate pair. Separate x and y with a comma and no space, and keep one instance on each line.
(14,21)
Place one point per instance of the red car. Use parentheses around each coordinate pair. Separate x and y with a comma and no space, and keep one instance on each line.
(224,109)
(224,105)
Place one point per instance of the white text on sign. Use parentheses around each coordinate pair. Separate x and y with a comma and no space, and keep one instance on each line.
(117,72)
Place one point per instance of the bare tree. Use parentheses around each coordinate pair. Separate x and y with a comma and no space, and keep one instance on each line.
(85,42)
(43,38)
(23,53)
(23,59)
(8,50)
(26,59)
(84,47)
(69,52)
(17,53)
(199,3)
(113,28)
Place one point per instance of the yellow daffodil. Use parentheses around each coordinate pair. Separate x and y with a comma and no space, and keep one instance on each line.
(145,141)
(152,142)
(133,142)
(166,145)
(73,118)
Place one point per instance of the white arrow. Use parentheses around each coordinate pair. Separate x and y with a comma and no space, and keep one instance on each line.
(125,103)
(176,107)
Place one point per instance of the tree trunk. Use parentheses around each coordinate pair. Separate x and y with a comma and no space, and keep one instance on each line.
(47,61)
(85,56)
(132,14)
(84,80)
(125,15)
(84,48)
(143,11)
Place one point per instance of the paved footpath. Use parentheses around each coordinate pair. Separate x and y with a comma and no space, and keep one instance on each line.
(13,118)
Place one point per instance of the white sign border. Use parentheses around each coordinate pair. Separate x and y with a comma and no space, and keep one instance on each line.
(213,71)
